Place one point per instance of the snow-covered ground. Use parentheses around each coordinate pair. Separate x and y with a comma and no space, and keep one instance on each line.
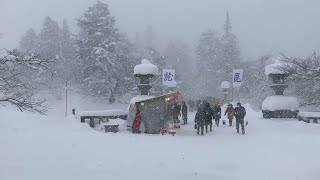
(51,147)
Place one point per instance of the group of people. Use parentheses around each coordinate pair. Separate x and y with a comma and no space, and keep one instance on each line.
(205,116)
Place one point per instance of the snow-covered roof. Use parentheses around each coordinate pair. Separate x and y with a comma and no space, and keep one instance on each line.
(225,85)
(273,103)
(274,68)
(115,112)
(145,68)
(140,98)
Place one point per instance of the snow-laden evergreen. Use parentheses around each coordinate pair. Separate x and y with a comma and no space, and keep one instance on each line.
(104,53)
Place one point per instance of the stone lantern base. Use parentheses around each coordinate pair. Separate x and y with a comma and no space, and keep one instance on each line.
(280,107)
(280,114)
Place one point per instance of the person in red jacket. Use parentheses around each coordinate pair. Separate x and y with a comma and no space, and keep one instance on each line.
(137,122)
(230,112)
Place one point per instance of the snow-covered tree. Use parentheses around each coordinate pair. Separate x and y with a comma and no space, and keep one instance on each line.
(256,86)
(179,57)
(208,54)
(57,43)
(50,47)
(69,65)
(29,42)
(103,51)
(49,39)
(304,79)
(230,48)
(216,57)
(15,87)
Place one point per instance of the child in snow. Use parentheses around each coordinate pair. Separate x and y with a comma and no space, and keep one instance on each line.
(230,113)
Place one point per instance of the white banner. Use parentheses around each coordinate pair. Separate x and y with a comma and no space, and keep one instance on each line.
(168,76)
(237,77)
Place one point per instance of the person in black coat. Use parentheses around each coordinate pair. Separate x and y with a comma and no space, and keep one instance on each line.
(240,113)
(217,114)
(176,113)
(200,121)
(209,115)
(184,112)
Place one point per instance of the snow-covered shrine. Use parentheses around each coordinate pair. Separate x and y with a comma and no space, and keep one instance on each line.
(279,106)
(154,111)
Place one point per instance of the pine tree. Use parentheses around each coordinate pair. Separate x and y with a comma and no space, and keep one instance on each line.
(29,42)
(230,47)
(49,39)
(179,58)
(103,51)
(68,55)
(208,55)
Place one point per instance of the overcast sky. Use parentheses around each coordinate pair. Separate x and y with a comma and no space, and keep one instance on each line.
(262,26)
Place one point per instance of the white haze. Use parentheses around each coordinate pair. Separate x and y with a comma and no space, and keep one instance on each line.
(262,26)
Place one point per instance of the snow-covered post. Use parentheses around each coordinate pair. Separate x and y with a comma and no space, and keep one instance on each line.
(145,71)
(225,86)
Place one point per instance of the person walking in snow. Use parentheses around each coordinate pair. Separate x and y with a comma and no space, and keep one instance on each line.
(200,121)
(240,113)
(184,113)
(209,115)
(217,114)
(176,113)
(230,113)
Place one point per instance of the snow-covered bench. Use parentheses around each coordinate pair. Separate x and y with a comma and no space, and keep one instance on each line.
(100,115)
(308,116)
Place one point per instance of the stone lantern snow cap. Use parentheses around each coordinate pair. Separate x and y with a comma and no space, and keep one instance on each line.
(225,85)
(275,68)
(145,68)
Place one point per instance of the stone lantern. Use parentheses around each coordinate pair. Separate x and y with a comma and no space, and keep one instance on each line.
(145,72)
(225,86)
(279,106)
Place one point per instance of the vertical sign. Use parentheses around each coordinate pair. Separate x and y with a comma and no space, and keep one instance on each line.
(168,76)
(237,77)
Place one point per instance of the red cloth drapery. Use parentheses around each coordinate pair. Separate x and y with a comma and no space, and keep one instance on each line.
(137,120)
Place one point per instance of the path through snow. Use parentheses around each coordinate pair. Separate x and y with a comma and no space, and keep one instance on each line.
(37,148)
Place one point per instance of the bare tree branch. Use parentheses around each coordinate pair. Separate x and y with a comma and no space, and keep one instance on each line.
(304,76)
(15,89)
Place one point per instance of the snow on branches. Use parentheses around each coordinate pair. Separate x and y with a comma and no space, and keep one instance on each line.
(15,88)
(303,68)
(304,77)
